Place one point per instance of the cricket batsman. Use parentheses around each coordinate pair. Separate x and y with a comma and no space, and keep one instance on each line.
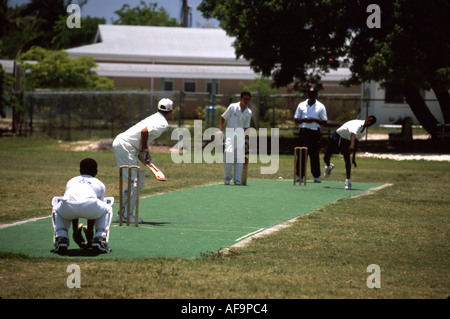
(238,115)
(133,145)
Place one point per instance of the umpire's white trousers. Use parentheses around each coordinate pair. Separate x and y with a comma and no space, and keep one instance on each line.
(127,154)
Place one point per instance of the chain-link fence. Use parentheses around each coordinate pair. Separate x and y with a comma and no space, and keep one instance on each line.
(80,115)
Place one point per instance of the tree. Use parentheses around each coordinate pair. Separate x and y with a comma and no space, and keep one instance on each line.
(68,38)
(8,97)
(53,69)
(144,15)
(285,39)
(42,23)
(410,50)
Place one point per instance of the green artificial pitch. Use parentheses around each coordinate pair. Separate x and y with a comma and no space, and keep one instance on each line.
(191,222)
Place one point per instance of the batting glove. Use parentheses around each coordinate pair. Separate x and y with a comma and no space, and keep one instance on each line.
(144,156)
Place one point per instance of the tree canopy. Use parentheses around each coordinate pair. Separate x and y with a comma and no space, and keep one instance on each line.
(297,41)
(144,15)
(53,69)
(42,23)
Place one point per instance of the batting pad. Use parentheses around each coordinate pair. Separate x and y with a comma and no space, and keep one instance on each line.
(191,222)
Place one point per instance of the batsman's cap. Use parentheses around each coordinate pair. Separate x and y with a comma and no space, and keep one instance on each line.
(165,105)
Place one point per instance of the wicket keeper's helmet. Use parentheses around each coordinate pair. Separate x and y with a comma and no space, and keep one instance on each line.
(165,105)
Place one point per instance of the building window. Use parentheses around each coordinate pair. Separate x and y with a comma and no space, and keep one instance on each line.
(209,84)
(166,84)
(190,85)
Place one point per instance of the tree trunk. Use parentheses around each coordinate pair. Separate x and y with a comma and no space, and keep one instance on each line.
(420,109)
(444,101)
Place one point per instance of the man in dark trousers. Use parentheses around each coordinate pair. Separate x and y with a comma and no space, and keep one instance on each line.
(310,114)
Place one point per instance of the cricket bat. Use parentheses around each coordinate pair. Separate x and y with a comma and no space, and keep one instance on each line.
(244,171)
(156,171)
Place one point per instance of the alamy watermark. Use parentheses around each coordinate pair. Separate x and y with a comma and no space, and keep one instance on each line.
(374,19)
(74,279)
(374,280)
(74,19)
(235,145)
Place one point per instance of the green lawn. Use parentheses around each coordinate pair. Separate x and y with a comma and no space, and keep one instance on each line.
(403,228)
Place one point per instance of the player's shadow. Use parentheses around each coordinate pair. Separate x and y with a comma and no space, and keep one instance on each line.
(156,223)
(146,223)
(80,252)
(342,188)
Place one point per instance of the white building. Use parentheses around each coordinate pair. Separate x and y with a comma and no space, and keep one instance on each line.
(390,107)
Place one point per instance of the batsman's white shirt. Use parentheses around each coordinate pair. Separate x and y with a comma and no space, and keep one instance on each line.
(353,126)
(156,124)
(236,118)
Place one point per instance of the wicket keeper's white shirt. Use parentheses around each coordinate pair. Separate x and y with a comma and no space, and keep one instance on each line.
(236,118)
(84,187)
(317,110)
(156,124)
(353,126)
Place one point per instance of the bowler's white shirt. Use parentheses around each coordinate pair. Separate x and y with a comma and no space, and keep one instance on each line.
(84,187)
(156,124)
(317,110)
(353,126)
(236,118)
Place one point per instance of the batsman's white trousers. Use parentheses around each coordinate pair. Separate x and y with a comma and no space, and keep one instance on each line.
(234,156)
(92,208)
(127,154)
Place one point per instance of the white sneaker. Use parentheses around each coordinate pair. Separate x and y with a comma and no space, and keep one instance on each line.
(348,184)
(328,169)
(100,245)
(317,180)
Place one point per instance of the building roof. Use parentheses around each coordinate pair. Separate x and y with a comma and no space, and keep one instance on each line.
(119,43)
(175,71)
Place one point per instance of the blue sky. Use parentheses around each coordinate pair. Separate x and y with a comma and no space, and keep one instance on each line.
(105,9)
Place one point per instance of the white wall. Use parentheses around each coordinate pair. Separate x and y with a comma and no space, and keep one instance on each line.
(388,113)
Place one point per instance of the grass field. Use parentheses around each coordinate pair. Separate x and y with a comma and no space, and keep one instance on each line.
(403,228)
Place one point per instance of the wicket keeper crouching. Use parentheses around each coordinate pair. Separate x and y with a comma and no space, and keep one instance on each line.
(84,198)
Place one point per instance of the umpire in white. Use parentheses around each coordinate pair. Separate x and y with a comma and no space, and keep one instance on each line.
(311,114)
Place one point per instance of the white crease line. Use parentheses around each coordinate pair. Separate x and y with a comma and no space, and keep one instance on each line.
(23,222)
(250,234)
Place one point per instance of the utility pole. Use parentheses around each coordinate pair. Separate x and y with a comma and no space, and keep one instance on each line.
(185,14)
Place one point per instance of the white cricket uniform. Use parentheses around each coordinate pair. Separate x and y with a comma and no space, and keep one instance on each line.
(353,126)
(235,146)
(126,148)
(84,197)
(317,110)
